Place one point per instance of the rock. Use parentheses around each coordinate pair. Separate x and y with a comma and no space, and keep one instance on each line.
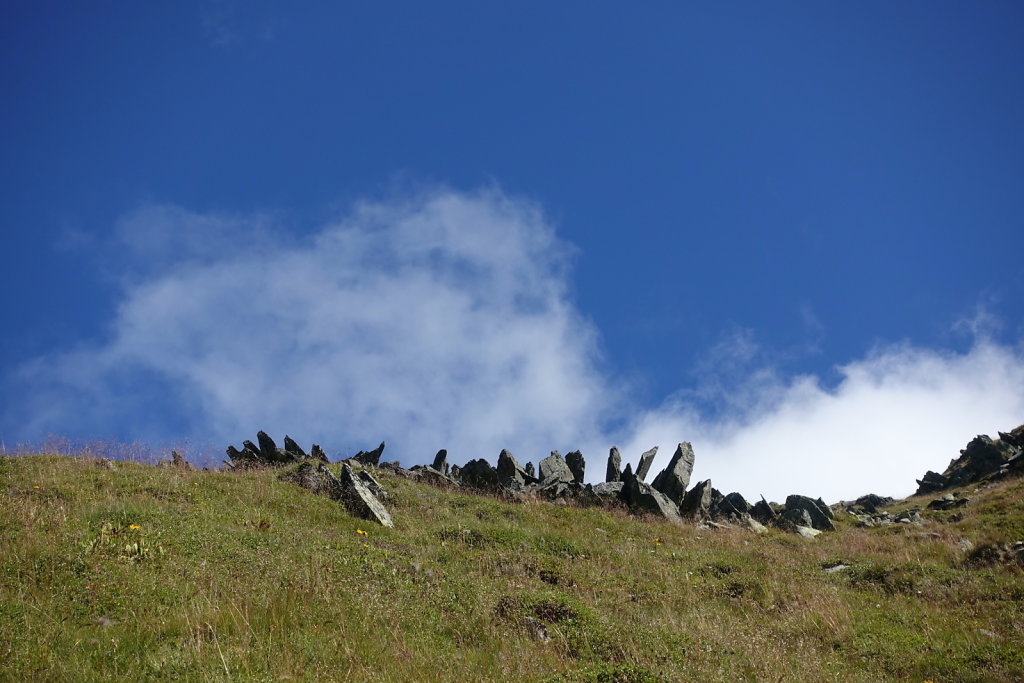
(755,525)
(479,474)
(697,501)
(835,568)
(293,448)
(509,471)
(429,475)
(930,483)
(553,468)
(316,478)
(614,471)
(640,496)
(532,473)
(371,458)
(371,483)
(359,500)
(871,502)
(948,502)
(820,514)
(609,490)
(317,453)
(577,465)
(734,505)
(763,512)
(646,459)
(981,458)
(807,532)
(790,519)
(268,449)
(909,517)
(440,463)
(177,462)
(673,480)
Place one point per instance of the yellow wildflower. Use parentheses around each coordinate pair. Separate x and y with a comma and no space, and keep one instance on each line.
(366,545)
(361,532)
(134,527)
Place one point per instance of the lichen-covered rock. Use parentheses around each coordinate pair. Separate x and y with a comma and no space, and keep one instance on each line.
(614,471)
(673,480)
(510,473)
(359,500)
(553,468)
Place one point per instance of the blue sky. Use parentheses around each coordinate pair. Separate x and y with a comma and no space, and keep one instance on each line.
(523,225)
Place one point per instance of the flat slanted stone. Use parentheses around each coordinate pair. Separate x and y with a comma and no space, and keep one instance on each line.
(673,480)
(371,483)
(293,448)
(360,501)
(646,460)
(268,449)
(553,468)
(370,457)
(697,501)
(577,465)
(614,471)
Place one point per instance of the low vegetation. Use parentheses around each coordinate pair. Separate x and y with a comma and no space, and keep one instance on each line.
(144,573)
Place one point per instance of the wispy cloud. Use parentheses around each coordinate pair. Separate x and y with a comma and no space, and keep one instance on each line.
(444,320)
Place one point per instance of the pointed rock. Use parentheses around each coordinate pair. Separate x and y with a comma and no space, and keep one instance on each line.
(577,465)
(673,480)
(614,471)
(268,449)
(370,457)
(293,448)
(509,471)
(646,459)
(360,501)
(819,513)
(441,461)
(317,453)
(763,512)
(553,468)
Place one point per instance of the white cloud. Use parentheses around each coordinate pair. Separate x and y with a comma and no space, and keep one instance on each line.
(444,320)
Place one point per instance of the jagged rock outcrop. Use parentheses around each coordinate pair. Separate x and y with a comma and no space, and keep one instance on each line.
(510,474)
(577,465)
(614,471)
(371,458)
(267,454)
(983,457)
(553,468)
(642,497)
(763,512)
(360,493)
(673,480)
(646,460)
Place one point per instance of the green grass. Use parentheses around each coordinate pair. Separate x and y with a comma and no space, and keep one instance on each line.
(242,576)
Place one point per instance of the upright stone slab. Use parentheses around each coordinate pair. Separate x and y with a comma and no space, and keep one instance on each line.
(673,480)
(646,459)
(553,468)
(614,471)
(360,501)
(441,461)
(509,471)
(268,449)
(577,465)
(293,448)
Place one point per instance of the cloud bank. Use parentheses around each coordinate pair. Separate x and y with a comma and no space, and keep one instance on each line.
(446,320)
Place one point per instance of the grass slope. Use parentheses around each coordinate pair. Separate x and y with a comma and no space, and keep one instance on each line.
(149,573)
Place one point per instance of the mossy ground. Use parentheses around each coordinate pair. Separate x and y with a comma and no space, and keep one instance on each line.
(148,573)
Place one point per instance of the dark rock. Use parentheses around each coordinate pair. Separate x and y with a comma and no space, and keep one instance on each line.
(316,478)
(553,468)
(370,457)
(441,461)
(359,500)
(614,471)
(251,447)
(982,458)
(673,480)
(293,448)
(697,501)
(734,505)
(627,474)
(646,459)
(429,475)
(763,512)
(532,473)
(177,462)
(577,465)
(871,502)
(479,474)
(930,483)
(317,453)
(792,518)
(268,449)
(819,513)
(510,473)
(909,517)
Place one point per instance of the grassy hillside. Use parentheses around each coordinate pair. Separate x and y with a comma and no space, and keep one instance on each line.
(140,572)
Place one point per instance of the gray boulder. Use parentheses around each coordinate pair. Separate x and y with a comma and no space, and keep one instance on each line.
(577,465)
(317,453)
(641,497)
(763,512)
(509,471)
(673,480)
(479,474)
(373,485)
(441,461)
(614,471)
(293,448)
(609,491)
(268,449)
(820,514)
(646,459)
(553,468)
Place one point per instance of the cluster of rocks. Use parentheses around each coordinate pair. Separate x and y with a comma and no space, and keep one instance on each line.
(360,493)
(267,454)
(983,458)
